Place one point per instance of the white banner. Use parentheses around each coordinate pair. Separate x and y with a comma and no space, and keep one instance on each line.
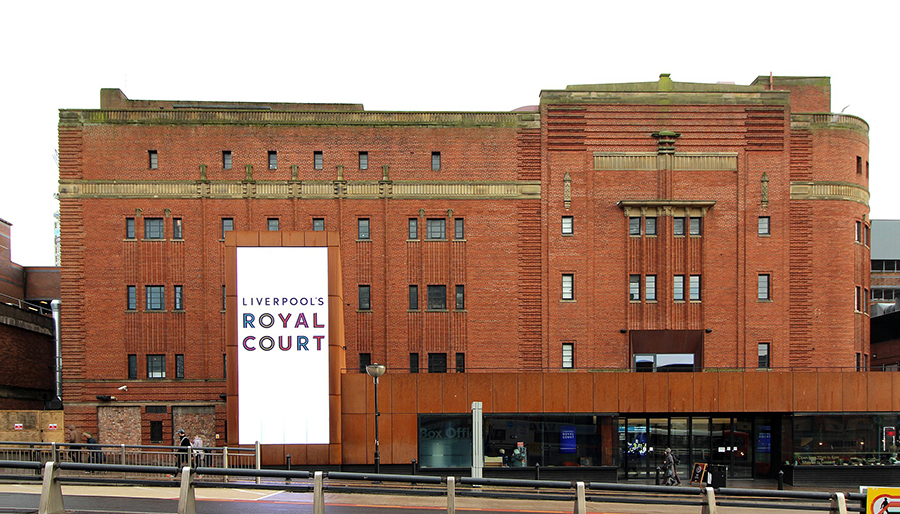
(282,317)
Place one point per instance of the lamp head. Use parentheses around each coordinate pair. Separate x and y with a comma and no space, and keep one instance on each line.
(375,370)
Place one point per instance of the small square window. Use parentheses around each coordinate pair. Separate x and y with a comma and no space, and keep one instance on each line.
(435,161)
(155,298)
(318,160)
(459,228)
(694,288)
(363,160)
(131,298)
(153,228)
(568,225)
(437,297)
(365,298)
(227,226)
(413,297)
(129,228)
(650,226)
(362,228)
(634,288)
(678,226)
(178,298)
(634,226)
(460,362)
(436,229)
(179,365)
(650,288)
(413,362)
(568,355)
(226,159)
(695,226)
(413,228)
(568,286)
(763,226)
(132,366)
(364,360)
(318,224)
(156,366)
(154,159)
(678,288)
(437,362)
(762,287)
(763,353)
(273,160)
(460,297)
(272,224)
(176,229)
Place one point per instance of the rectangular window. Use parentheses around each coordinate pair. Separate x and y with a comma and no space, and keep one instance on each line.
(131,298)
(695,226)
(224,365)
(178,299)
(868,232)
(856,300)
(129,228)
(763,226)
(695,288)
(318,160)
(224,297)
(459,228)
(179,365)
(650,226)
(678,288)
(413,228)
(435,161)
(272,224)
(568,225)
(634,288)
(858,232)
(362,228)
(153,228)
(364,360)
(460,362)
(273,160)
(363,160)
(437,297)
(762,287)
(413,297)
(460,297)
(437,362)
(436,229)
(365,293)
(226,159)
(650,288)
(568,286)
(319,224)
(156,366)
(176,229)
(155,298)
(413,362)
(568,355)
(678,226)
(154,159)
(156,431)
(634,226)
(859,164)
(227,226)
(132,366)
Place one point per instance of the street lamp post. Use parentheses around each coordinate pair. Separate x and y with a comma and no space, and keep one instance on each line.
(375,371)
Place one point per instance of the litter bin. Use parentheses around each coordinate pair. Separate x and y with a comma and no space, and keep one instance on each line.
(718,475)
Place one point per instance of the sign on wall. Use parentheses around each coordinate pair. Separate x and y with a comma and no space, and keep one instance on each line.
(282,327)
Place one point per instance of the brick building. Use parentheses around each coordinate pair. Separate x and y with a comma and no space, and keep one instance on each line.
(516,258)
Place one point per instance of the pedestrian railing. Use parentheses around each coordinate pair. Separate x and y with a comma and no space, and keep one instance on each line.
(705,499)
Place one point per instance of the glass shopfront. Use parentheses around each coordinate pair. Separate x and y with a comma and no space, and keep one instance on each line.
(844,439)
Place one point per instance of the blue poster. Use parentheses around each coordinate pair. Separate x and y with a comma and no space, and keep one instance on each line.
(567,439)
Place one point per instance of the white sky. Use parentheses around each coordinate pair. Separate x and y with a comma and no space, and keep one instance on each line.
(460,55)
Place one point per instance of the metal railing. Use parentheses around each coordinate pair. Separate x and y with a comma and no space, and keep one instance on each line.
(25,306)
(704,499)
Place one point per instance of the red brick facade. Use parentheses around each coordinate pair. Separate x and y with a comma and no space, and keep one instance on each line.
(718,156)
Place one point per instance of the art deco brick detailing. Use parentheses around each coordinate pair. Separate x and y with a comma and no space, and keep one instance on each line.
(457,237)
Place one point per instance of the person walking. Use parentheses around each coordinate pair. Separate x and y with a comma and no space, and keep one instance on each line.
(71,441)
(671,472)
(197,450)
(184,451)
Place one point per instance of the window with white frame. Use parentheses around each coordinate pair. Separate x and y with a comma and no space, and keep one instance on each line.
(694,289)
(762,287)
(436,228)
(634,288)
(568,355)
(568,227)
(650,288)
(678,288)
(568,286)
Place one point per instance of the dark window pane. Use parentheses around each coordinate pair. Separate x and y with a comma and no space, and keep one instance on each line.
(273,160)
(436,229)
(153,228)
(132,366)
(413,228)
(413,297)
(272,224)
(178,298)
(155,298)
(365,298)
(156,431)
(176,228)
(678,226)
(414,363)
(437,297)
(650,226)
(318,224)
(227,226)
(129,228)
(154,159)
(459,228)
(156,366)
(364,360)
(460,297)
(362,228)
(695,226)
(634,226)
(131,298)
(460,363)
(318,160)
(226,159)
(179,366)
(437,362)
(435,161)
(363,160)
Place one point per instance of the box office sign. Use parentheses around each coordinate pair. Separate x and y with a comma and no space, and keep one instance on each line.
(282,346)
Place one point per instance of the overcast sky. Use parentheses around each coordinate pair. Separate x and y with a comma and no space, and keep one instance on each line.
(491,56)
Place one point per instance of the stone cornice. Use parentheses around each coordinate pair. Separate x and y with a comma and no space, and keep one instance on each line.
(301,189)
(680,161)
(829,191)
(659,208)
